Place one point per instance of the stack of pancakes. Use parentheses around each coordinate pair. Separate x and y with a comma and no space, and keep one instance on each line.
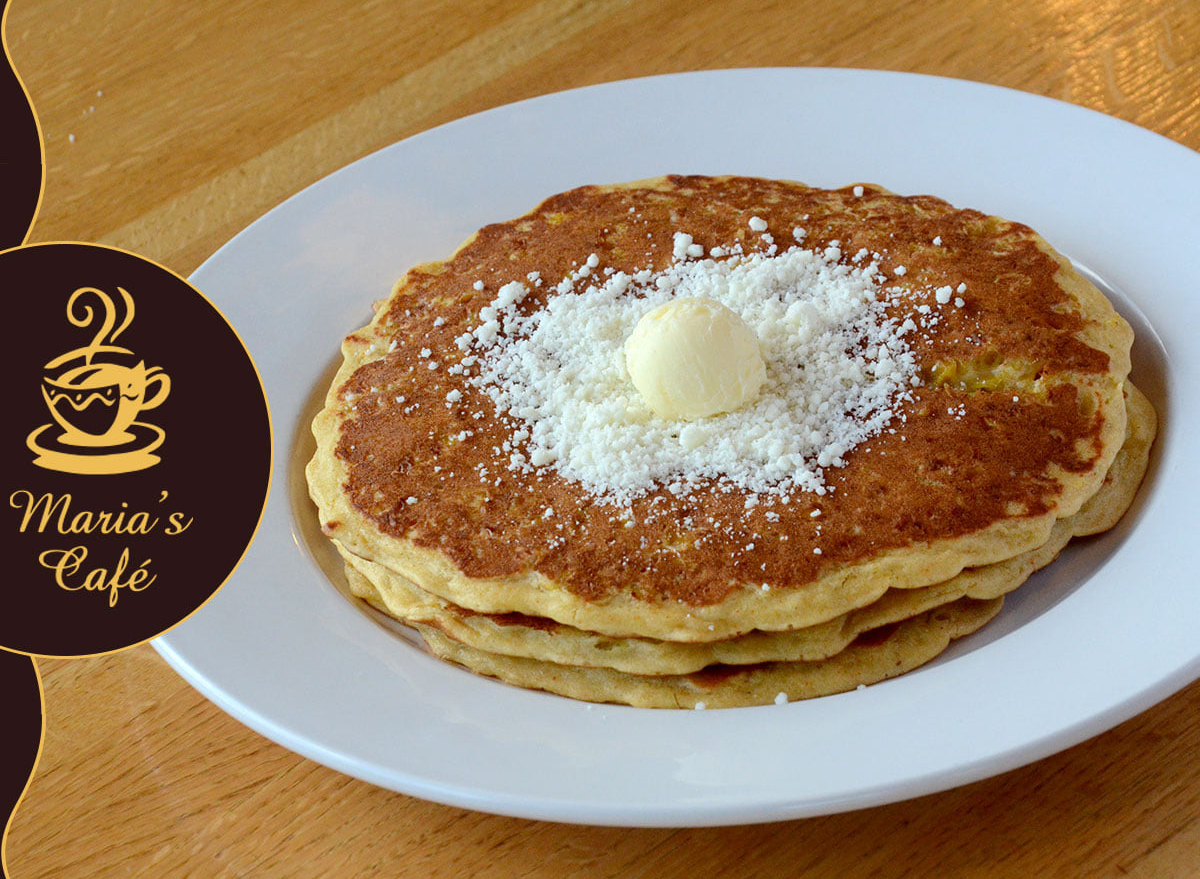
(1020,432)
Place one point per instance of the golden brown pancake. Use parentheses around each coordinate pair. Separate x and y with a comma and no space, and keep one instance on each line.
(1015,419)
(875,656)
(538,638)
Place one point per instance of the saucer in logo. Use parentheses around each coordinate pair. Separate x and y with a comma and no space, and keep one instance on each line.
(95,395)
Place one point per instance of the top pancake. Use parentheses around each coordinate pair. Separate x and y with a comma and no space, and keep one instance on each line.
(1016,417)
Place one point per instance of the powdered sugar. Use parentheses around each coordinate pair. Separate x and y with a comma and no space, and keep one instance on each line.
(837,364)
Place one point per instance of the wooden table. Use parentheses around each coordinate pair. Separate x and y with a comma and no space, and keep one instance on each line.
(171,125)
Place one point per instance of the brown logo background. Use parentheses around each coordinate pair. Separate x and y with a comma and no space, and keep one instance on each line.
(102,559)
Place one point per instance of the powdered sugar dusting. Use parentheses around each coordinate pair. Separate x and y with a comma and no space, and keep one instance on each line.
(837,364)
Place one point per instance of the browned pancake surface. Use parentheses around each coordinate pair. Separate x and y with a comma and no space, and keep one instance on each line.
(961,458)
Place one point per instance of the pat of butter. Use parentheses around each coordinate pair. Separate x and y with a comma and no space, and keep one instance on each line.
(694,357)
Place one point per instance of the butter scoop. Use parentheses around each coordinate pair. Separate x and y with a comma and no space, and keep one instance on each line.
(694,357)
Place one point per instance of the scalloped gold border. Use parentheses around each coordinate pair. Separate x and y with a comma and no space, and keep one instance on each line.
(37,759)
(36,122)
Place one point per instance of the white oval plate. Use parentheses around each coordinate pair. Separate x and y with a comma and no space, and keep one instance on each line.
(1104,633)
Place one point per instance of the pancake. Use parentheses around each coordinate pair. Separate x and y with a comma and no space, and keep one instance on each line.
(542,639)
(874,657)
(517,635)
(1011,421)
(1115,495)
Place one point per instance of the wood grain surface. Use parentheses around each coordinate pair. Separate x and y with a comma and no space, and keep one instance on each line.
(171,125)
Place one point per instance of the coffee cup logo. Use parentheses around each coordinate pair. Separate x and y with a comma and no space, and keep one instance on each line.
(95,395)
